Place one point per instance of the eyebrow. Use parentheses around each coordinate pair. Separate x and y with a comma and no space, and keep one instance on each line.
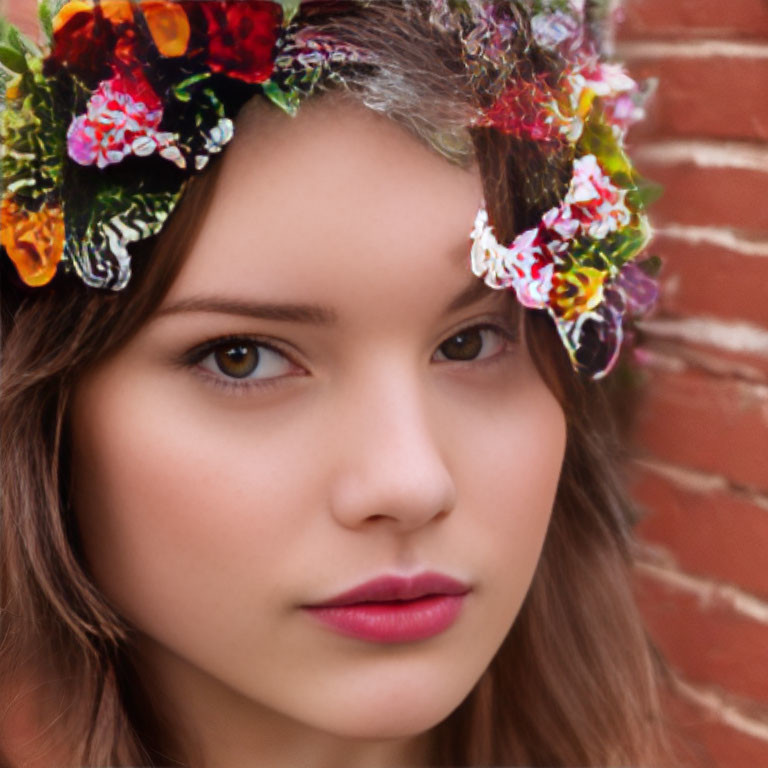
(315,314)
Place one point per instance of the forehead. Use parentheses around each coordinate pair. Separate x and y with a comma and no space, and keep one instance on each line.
(336,201)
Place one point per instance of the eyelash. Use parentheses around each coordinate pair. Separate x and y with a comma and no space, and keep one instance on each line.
(194,357)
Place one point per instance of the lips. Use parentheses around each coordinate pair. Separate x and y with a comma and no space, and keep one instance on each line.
(394,609)
(390,588)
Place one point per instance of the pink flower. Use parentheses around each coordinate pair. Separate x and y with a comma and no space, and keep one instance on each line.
(607,80)
(526,265)
(122,118)
(595,200)
(560,221)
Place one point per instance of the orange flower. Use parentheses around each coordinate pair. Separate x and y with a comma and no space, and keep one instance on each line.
(169,26)
(34,240)
(114,10)
(13,89)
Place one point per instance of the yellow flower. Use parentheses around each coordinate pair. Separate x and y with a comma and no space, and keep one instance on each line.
(577,291)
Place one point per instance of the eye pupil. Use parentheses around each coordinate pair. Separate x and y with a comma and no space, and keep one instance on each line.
(237,360)
(466,345)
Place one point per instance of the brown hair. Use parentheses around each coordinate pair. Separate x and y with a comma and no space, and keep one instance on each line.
(574,683)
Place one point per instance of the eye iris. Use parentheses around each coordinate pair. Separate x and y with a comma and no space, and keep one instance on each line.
(238,360)
(463,346)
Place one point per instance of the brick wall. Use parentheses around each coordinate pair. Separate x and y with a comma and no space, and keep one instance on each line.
(701,468)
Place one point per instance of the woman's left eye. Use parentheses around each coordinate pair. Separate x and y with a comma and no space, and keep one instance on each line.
(476,343)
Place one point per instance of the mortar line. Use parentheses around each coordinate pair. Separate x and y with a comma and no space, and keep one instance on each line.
(695,49)
(706,590)
(751,156)
(723,710)
(720,236)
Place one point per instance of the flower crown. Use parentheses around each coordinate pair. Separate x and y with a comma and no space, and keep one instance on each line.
(101,134)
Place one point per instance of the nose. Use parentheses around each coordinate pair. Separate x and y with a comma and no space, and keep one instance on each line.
(390,469)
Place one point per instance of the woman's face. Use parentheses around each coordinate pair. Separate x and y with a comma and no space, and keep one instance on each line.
(326,396)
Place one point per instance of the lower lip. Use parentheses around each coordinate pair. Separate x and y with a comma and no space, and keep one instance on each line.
(394,622)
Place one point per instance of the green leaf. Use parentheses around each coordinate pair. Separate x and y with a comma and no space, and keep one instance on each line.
(33,140)
(13,38)
(290,9)
(12,60)
(651,266)
(45,14)
(599,139)
(288,101)
(181,90)
(22,43)
(462,6)
(646,193)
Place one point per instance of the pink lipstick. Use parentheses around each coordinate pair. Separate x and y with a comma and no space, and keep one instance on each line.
(393,609)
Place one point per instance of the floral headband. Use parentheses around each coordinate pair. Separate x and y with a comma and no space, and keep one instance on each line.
(101,134)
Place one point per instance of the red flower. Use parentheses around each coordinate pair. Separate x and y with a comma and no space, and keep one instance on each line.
(86,36)
(241,37)
(524,109)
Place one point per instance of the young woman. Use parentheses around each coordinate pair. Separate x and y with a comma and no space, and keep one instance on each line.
(288,484)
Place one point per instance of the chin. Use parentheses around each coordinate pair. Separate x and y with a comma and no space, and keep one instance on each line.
(389,714)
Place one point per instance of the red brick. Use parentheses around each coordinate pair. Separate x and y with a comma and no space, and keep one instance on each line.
(707,645)
(732,749)
(715,97)
(715,535)
(703,741)
(692,419)
(704,279)
(694,19)
(715,197)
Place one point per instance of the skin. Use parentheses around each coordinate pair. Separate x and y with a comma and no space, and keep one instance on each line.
(209,515)
(23,14)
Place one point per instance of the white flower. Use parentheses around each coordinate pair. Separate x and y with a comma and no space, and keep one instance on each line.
(551,30)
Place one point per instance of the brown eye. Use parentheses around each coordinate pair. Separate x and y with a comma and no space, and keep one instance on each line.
(237,361)
(473,344)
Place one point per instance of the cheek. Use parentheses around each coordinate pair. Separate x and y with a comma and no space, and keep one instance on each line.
(511,472)
(167,502)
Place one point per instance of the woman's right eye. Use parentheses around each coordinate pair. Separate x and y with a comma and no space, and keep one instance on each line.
(247,361)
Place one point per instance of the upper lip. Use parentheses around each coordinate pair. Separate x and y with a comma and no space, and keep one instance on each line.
(392,587)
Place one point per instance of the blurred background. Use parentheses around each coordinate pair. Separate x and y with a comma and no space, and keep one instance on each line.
(700,471)
(701,467)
